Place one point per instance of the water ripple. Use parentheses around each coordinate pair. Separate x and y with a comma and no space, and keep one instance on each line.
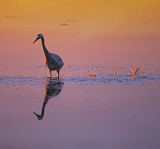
(88,80)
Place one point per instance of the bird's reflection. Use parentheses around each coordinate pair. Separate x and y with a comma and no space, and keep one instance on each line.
(53,88)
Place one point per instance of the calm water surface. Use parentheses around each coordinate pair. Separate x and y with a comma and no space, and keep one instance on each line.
(98,103)
(91,106)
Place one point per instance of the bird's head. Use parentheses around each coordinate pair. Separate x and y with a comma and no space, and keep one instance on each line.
(38,37)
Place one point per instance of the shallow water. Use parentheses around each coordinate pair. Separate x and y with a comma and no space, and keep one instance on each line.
(84,76)
(98,103)
(91,106)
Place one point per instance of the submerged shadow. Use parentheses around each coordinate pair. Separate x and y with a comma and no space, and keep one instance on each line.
(52,89)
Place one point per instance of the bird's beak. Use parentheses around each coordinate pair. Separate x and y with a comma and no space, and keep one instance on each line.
(35,40)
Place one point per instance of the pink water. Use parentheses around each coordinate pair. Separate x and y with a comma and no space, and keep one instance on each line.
(98,103)
(94,107)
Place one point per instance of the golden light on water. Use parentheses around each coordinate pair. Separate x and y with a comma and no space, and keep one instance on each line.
(116,16)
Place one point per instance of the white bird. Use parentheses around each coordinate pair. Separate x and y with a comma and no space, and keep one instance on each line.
(53,61)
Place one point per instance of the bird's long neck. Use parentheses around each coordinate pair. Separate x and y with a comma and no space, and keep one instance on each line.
(45,49)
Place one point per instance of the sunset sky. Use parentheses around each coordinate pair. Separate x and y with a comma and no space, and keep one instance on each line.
(109,27)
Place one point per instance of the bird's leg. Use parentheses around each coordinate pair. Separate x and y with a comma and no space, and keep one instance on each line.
(50,73)
(58,74)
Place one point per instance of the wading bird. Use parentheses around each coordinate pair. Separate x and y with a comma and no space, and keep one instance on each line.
(53,61)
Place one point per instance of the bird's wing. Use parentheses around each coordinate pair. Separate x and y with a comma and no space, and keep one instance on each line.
(56,60)
(137,69)
(132,71)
